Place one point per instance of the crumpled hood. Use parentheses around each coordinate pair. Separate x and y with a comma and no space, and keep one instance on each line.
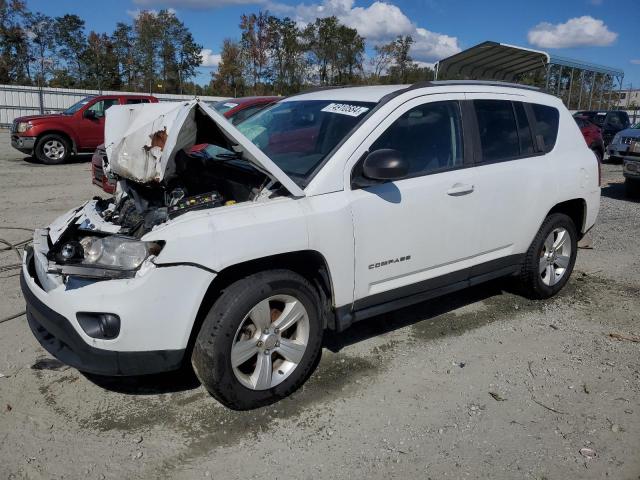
(141,141)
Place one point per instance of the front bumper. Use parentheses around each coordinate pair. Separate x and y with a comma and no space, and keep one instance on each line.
(24,144)
(631,168)
(155,326)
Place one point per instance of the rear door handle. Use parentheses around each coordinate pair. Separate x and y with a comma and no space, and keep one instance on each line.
(458,189)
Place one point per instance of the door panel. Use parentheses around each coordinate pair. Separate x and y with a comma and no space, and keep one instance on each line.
(91,130)
(507,193)
(415,229)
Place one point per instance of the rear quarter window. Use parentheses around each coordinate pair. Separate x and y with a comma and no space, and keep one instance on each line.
(547,119)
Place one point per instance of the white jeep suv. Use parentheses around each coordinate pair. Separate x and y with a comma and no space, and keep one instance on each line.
(235,247)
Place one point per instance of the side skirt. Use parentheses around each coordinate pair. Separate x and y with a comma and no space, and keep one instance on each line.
(401,297)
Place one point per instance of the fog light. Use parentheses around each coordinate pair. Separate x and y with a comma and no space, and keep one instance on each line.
(104,326)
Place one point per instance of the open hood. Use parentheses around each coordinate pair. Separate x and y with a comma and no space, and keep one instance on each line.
(141,141)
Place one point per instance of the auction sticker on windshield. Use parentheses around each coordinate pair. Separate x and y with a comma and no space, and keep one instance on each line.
(345,109)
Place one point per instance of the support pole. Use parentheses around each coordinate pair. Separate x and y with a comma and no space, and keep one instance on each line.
(581,88)
(601,92)
(593,86)
(570,85)
(559,82)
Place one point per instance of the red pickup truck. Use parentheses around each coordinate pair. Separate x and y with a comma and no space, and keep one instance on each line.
(80,128)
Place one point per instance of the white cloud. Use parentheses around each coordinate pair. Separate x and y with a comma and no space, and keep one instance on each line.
(379,22)
(636,61)
(195,4)
(583,31)
(209,59)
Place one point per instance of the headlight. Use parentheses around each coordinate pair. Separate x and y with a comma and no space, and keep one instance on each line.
(24,126)
(117,252)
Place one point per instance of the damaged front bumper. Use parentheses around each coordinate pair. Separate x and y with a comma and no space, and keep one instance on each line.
(157,309)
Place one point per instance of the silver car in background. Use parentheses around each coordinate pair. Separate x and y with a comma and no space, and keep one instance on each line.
(619,145)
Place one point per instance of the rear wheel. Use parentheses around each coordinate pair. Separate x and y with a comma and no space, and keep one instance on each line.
(52,149)
(260,341)
(550,258)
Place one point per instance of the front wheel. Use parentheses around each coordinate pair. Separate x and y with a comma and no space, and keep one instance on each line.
(550,258)
(52,149)
(260,341)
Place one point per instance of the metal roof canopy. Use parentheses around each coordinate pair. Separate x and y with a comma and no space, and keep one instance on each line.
(501,61)
(492,60)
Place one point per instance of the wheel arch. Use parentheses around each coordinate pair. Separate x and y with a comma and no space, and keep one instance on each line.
(62,133)
(576,209)
(311,264)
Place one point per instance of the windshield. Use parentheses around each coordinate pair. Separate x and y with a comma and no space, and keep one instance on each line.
(224,106)
(77,106)
(298,135)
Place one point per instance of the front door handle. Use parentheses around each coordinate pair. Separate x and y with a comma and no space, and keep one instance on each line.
(458,189)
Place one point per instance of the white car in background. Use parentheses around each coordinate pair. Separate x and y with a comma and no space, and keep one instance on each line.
(322,210)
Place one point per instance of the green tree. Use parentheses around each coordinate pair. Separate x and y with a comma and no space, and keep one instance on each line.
(71,44)
(254,44)
(14,43)
(41,33)
(101,63)
(123,41)
(287,55)
(146,48)
(228,80)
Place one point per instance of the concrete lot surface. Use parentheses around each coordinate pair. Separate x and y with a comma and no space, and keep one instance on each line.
(479,384)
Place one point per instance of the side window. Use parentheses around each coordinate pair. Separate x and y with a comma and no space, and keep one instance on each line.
(131,101)
(102,106)
(524,130)
(498,130)
(428,136)
(546,124)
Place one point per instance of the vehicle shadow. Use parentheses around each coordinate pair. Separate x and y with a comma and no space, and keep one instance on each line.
(185,379)
(80,158)
(617,191)
(169,382)
(424,311)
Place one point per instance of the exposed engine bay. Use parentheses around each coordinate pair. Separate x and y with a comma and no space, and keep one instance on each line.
(169,163)
(203,178)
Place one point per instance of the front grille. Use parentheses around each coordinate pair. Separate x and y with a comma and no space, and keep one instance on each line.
(14,127)
(627,140)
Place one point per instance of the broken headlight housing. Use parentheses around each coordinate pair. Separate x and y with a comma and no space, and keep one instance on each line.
(117,252)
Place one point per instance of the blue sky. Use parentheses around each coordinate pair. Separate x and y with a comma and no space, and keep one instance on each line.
(599,31)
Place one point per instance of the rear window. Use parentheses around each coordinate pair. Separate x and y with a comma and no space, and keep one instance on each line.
(498,130)
(546,124)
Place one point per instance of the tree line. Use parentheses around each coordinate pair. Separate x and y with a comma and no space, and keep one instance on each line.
(277,56)
(156,52)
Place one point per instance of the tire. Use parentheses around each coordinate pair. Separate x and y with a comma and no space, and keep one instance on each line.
(230,323)
(52,149)
(538,283)
(631,188)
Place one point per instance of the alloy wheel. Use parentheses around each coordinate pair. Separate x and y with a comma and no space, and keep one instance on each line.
(555,256)
(270,342)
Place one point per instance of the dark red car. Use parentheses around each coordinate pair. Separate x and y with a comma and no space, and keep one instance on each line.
(238,109)
(592,135)
(234,109)
(80,128)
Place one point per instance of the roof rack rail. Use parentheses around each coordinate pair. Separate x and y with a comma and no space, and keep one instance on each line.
(492,83)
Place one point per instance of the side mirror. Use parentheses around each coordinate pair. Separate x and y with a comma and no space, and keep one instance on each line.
(90,114)
(385,164)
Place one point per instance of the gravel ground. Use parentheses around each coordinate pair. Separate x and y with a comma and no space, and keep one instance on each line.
(480,384)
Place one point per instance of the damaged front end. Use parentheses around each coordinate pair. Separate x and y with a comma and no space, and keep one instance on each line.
(169,160)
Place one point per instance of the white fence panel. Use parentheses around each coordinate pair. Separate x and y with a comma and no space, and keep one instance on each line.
(17,100)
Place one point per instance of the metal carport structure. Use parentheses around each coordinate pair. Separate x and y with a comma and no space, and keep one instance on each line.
(579,84)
